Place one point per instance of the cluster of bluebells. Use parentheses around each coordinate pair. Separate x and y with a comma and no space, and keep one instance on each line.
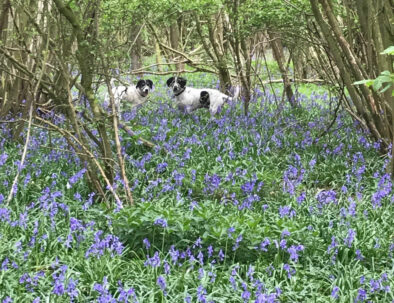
(229,172)
(104,244)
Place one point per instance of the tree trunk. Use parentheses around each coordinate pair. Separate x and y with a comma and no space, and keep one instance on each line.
(279,56)
(215,50)
(158,56)
(174,42)
(136,50)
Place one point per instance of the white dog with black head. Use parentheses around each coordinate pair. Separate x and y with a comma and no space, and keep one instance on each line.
(189,99)
(134,95)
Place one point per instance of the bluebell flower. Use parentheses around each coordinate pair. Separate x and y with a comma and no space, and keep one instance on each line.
(374,285)
(283,244)
(361,295)
(200,258)
(7,300)
(5,215)
(290,271)
(74,179)
(301,198)
(102,289)
(213,277)
(350,237)
(221,255)
(292,250)
(4,264)
(201,273)
(161,281)
(78,197)
(285,233)
(109,243)
(325,197)
(161,222)
(201,292)
(59,281)
(174,254)
(248,187)
(72,289)
(246,295)
(286,211)
(210,251)
(266,298)
(166,267)
(230,231)
(154,261)
(212,183)
(146,243)
(334,293)
(359,255)
(3,158)
(264,244)
(197,243)
(233,282)
(124,294)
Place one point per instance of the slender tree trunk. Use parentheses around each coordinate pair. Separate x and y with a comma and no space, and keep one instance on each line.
(136,50)
(277,50)
(158,56)
(215,50)
(174,41)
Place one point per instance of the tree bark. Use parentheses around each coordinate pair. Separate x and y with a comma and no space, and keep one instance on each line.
(279,56)
(215,50)
(136,50)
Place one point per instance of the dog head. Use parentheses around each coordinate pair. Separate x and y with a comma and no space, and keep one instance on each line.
(177,84)
(144,87)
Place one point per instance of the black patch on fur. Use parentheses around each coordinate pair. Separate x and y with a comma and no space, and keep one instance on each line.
(140,83)
(182,81)
(170,80)
(149,83)
(204,99)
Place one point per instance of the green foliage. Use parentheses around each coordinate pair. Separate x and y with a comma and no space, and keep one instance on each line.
(384,81)
(388,51)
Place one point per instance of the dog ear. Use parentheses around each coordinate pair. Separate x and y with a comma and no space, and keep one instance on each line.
(149,83)
(170,80)
(182,81)
(140,83)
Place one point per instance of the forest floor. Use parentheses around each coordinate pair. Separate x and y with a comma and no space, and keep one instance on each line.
(240,209)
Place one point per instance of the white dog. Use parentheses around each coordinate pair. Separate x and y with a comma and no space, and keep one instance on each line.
(189,99)
(135,95)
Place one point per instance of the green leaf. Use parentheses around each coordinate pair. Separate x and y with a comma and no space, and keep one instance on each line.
(386,73)
(389,50)
(377,84)
(385,88)
(367,82)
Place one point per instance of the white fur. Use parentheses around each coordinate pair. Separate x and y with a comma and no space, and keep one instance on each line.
(130,94)
(189,100)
